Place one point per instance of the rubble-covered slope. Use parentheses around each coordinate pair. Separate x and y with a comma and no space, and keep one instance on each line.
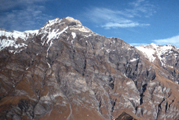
(64,71)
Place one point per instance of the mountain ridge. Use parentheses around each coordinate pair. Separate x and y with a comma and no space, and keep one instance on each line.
(65,71)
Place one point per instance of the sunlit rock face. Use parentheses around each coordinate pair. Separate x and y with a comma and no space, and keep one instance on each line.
(64,71)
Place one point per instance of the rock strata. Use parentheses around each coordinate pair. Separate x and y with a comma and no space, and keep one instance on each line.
(64,71)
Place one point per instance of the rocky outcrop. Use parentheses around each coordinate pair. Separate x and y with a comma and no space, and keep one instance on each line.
(125,116)
(65,71)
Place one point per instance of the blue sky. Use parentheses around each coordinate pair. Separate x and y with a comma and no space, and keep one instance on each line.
(135,21)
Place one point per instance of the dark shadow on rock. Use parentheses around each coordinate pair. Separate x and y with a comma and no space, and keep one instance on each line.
(125,116)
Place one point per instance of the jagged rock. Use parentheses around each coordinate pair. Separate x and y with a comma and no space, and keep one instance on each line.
(125,116)
(66,71)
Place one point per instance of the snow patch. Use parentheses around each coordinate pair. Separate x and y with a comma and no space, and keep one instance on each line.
(134,59)
(49,47)
(49,65)
(148,52)
(73,35)
(16,34)
(10,43)
(12,37)
(52,22)
(53,35)
(153,49)
(28,32)
(108,50)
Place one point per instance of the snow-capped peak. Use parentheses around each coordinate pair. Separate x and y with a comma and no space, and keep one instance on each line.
(52,22)
(9,39)
(52,30)
(17,34)
(152,51)
(148,51)
(13,34)
(31,32)
(153,45)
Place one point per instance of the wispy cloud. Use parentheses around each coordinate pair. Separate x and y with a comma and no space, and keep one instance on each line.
(108,18)
(142,8)
(22,14)
(10,4)
(123,25)
(172,40)
(166,41)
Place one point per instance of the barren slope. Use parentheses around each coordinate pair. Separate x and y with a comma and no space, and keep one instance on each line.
(64,71)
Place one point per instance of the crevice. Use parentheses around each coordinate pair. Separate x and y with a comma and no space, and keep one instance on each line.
(142,94)
(136,108)
(147,73)
(111,82)
(84,67)
(57,77)
(166,107)
(171,103)
(137,65)
(113,103)
(99,105)
(160,108)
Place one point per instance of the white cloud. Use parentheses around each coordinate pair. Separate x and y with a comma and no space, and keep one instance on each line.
(123,25)
(172,40)
(166,41)
(142,8)
(109,18)
(29,16)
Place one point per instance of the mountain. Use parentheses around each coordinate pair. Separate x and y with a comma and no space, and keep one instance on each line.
(65,71)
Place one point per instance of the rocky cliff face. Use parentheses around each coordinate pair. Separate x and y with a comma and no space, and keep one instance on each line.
(64,71)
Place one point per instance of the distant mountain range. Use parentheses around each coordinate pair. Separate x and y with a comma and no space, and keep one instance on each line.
(65,71)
